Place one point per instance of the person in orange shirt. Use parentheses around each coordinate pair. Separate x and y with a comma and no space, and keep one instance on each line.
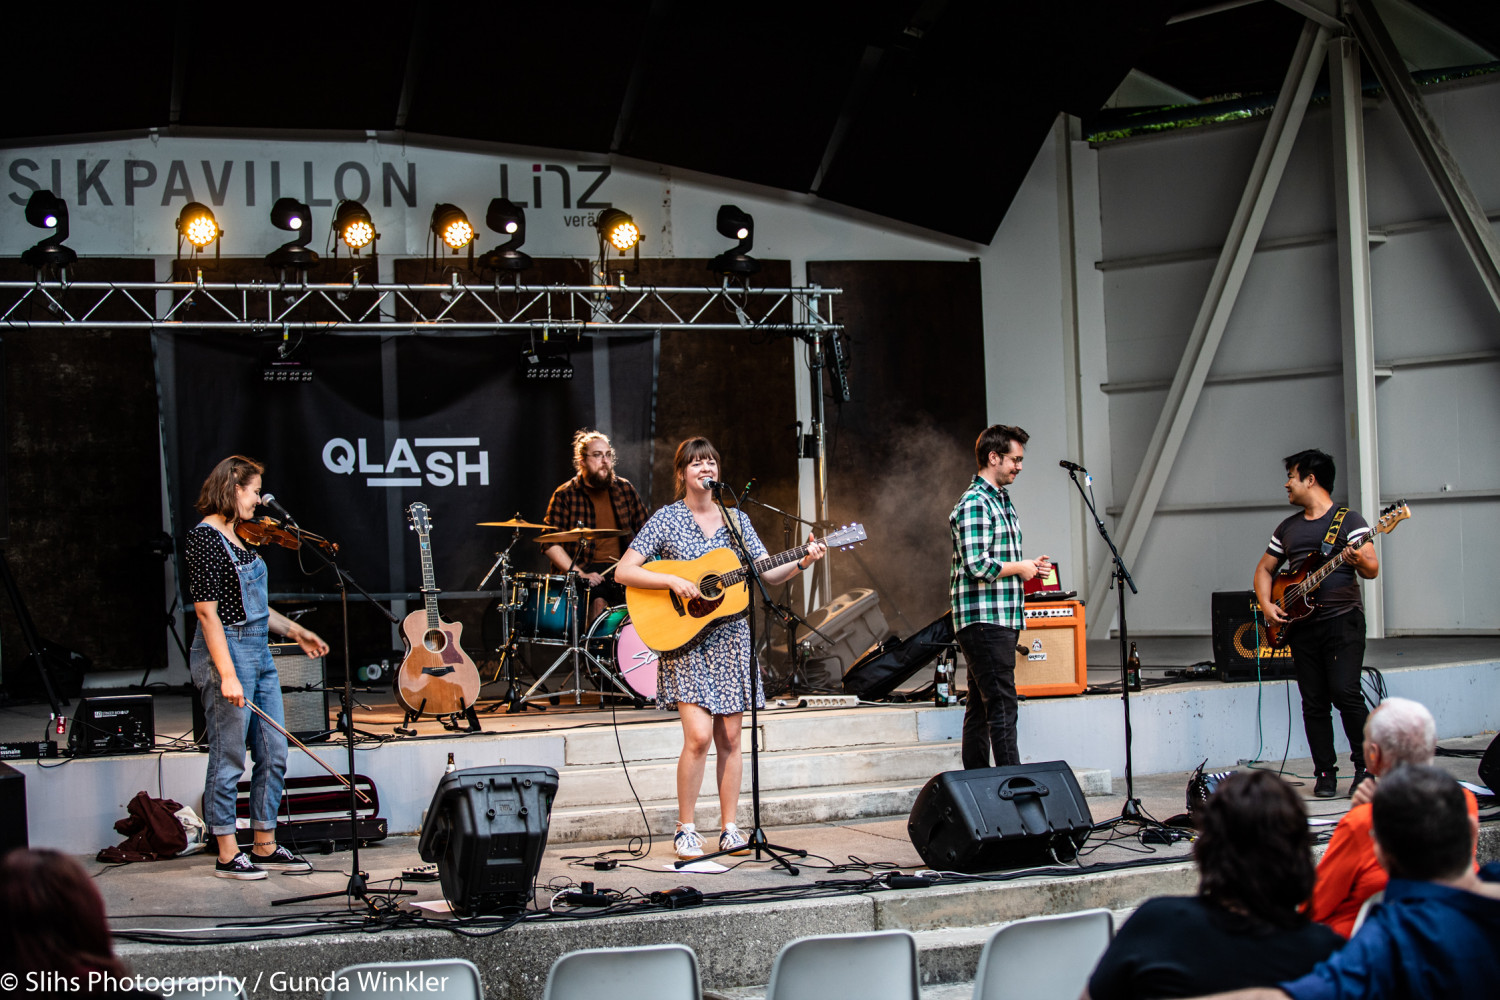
(1399,731)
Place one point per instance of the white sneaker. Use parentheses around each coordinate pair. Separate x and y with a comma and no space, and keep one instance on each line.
(688,842)
(731,838)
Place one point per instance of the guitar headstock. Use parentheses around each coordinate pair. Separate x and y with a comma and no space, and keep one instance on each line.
(420,518)
(846,537)
(1392,516)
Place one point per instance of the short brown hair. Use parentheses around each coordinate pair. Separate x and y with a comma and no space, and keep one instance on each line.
(217,495)
(997,437)
(689,452)
(1254,849)
(55,918)
(581,439)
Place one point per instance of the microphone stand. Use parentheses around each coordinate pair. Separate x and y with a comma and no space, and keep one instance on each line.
(1131,812)
(757,842)
(356,887)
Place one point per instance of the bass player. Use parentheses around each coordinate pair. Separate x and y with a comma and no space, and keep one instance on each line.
(1328,646)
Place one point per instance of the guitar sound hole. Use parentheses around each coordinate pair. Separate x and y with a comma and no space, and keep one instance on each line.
(710,588)
(435,640)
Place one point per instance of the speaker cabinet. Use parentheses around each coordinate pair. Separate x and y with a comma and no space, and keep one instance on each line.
(486,829)
(116,724)
(303,698)
(994,818)
(12,808)
(1056,660)
(1239,640)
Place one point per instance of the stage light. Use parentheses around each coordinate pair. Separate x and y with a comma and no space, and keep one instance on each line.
(292,215)
(505,216)
(618,228)
(545,362)
(354,227)
(47,211)
(736,225)
(197,225)
(451,225)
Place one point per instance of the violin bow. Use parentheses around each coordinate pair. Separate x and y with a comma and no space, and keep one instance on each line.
(282,730)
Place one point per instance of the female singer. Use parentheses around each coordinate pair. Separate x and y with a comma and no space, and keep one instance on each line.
(707,681)
(231,664)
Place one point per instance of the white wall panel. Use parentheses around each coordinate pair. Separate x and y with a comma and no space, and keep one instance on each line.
(1438,568)
(1440,428)
(1428,298)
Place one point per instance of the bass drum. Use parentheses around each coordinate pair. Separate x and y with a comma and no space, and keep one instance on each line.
(614,640)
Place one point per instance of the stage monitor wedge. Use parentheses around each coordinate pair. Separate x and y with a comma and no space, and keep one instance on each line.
(993,818)
(486,829)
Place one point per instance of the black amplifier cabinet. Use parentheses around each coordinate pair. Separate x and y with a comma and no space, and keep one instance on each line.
(1242,649)
(992,818)
(116,724)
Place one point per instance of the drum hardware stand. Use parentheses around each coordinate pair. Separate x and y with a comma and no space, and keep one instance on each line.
(356,887)
(577,653)
(757,841)
(506,669)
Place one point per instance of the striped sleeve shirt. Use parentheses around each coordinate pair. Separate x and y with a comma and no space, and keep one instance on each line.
(986,534)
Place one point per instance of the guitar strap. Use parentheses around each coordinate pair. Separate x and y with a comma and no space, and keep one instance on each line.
(1333,531)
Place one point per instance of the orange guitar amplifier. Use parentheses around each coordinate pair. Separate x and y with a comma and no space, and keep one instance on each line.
(1056,660)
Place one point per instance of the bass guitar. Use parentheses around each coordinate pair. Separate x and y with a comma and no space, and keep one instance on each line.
(665,622)
(1292,590)
(437,677)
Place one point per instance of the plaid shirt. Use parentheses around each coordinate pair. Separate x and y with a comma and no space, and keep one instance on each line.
(985,534)
(571,507)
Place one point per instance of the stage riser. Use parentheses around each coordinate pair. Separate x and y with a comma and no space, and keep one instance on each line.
(802,730)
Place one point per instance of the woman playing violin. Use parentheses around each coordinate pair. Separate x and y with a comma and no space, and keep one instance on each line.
(231,664)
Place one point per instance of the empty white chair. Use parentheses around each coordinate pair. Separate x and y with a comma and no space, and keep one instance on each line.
(877,966)
(1364,910)
(650,972)
(1042,958)
(449,978)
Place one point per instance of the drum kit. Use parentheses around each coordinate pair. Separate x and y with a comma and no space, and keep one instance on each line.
(545,610)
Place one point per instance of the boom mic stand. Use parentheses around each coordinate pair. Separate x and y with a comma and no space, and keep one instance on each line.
(356,886)
(1131,812)
(757,842)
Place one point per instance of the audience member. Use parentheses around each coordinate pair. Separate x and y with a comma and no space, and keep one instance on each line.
(52,920)
(1434,933)
(1255,869)
(1399,731)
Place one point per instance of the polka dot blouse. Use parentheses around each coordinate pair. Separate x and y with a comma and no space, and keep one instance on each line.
(211,574)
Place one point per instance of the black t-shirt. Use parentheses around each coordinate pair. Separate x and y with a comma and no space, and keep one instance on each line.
(1297,537)
(211,574)
(1185,946)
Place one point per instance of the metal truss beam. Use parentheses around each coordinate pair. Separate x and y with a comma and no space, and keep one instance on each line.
(255,307)
(1458,198)
(1356,313)
(1213,316)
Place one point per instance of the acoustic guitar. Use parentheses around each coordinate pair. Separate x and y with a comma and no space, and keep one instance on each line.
(437,677)
(1292,590)
(666,623)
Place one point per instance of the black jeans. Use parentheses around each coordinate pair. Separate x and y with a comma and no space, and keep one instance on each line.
(1329,654)
(990,718)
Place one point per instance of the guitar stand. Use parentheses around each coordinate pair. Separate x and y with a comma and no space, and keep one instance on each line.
(451,722)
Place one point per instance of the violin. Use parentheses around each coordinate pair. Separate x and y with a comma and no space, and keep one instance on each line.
(269,531)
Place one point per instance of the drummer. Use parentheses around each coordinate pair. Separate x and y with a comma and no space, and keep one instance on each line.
(595,498)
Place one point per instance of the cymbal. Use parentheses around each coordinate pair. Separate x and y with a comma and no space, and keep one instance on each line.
(516,521)
(581,535)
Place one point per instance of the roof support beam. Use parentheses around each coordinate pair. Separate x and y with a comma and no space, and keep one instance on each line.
(1458,198)
(1362,446)
(1213,315)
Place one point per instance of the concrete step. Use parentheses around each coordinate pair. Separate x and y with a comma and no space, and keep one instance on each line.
(791,769)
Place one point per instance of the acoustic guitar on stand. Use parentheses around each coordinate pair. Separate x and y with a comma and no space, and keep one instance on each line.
(665,622)
(437,677)
(1292,590)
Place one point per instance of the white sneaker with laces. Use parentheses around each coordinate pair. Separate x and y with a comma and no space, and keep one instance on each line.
(732,838)
(688,842)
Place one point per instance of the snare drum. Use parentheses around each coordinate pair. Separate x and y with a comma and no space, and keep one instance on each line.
(543,602)
(614,640)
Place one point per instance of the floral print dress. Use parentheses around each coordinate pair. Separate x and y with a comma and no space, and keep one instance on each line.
(711,671)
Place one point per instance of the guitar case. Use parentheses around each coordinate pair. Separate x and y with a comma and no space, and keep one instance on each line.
(883,670)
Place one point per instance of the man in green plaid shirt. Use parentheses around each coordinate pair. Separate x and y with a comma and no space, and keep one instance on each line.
(986,584)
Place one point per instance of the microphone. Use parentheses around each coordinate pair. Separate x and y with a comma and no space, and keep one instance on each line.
(1073,466)
(710,484)
(269,500)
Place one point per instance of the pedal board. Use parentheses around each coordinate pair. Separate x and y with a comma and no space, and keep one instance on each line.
(420,873)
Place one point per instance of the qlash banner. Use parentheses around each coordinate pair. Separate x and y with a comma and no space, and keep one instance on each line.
(451,421)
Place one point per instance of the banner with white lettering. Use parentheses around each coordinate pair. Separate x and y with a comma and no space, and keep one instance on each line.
(452,421)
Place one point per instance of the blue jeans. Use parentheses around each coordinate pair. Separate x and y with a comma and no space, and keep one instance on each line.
(231,730)
(990,715)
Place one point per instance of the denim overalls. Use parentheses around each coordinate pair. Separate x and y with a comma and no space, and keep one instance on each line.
(231,730)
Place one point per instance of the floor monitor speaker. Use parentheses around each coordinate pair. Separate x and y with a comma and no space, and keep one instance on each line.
(992,818)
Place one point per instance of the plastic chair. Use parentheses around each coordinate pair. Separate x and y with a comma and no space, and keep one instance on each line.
(1043,957)
(876,966)
(650,972)
(452,979)
(208,988)
(1364,910)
